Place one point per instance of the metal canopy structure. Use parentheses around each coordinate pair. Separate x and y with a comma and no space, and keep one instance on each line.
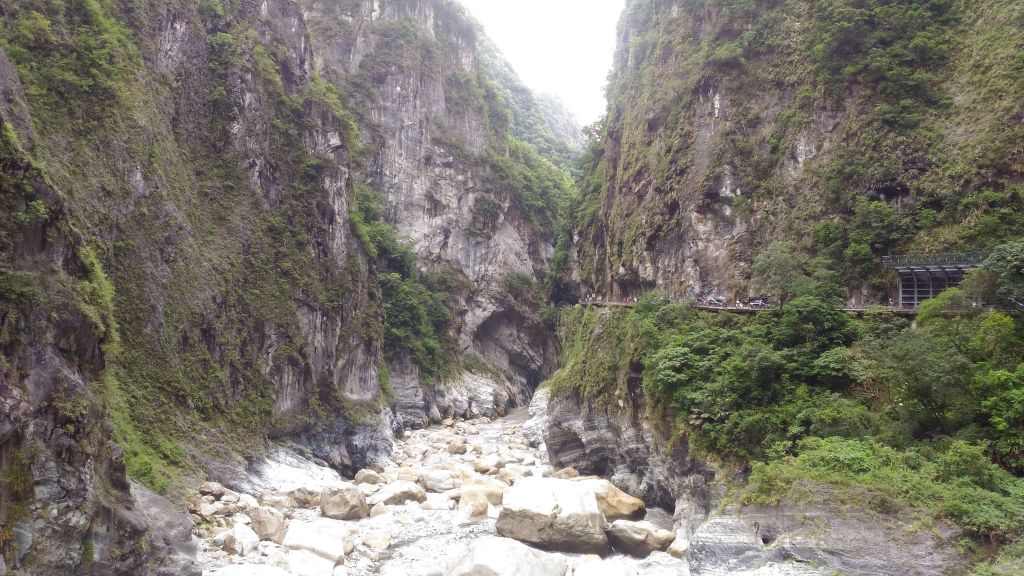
(924,276)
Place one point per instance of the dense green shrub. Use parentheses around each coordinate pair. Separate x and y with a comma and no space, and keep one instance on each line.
(959,484)
(926,418)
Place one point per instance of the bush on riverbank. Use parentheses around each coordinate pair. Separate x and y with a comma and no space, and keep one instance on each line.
(890,417)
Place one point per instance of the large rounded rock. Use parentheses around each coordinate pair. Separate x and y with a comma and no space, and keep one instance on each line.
(305,497)
(344,503)
(399,492)
(492,494)
(268,523)
(639,538)
(434,480)
(554,514)
(493,556)
(241,540)
(328,538)
(367,476)
(614,503)
(214,489)
(303,563)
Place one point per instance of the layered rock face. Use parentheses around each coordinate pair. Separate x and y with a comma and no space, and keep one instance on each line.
(624,444)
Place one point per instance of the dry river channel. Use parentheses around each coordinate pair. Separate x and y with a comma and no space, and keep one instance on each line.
(467,498)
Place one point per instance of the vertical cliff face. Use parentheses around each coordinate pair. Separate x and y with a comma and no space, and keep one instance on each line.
(66,502)
(205,249)
(836,131)
(445,119)
(731,126)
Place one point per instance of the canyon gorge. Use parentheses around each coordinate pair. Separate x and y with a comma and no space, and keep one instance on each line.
(322,287)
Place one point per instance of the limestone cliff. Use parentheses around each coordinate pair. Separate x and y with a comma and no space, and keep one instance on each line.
(839,131)
(210,243)
(853,129)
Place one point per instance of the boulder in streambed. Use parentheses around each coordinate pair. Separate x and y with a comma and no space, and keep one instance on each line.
(367,476)
(268,523)
(331,539)
(241,540)
(345,502)
(553,514)
(304,563)
(399,492)
(493,556)
(614,503)
(639,539)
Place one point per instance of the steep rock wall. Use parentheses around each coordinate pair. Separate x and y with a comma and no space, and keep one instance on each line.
(730,127)
(204,160)
(66,503)
(437,97)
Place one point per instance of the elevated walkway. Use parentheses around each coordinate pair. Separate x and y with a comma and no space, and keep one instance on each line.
(924,276)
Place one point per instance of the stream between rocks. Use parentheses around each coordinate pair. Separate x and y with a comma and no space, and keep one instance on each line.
(467,498)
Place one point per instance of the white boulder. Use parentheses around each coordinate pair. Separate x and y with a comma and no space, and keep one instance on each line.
(305,563)
(345,502)
(614,503)
(493,556)
(639,538)
(241,540)
(330,539)
(268,523)
(554,514)
(398,492)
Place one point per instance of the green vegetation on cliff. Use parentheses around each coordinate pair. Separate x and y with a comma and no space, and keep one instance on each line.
(852,128)
(887,415)
(236,260)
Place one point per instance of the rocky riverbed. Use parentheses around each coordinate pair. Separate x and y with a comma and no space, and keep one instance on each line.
(469,498)
(460,499)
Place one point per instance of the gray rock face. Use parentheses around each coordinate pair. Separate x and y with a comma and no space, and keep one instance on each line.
(533,428)
(432,190)
(466,396)
(822,541)
(306,353)
(174,548)
(55,443)
(624,444)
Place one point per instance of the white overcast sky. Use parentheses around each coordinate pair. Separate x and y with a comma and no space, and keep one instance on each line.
(561,47)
